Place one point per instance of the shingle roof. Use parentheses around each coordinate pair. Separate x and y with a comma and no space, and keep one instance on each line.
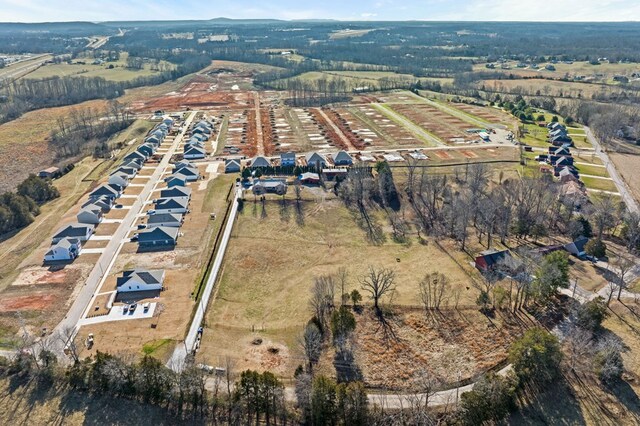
(145,276)
(164,218)
(158,233)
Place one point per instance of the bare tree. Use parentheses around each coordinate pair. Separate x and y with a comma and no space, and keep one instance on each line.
(322,299)
(624,265)
(311,343)
(433,290)
(378,283)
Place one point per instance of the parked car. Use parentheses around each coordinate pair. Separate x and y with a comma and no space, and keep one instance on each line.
(132,307)
(125,309)
(142,226)
(134,238)
(145,307)
(151,212)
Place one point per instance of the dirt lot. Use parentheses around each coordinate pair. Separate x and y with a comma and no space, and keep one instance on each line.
(455,344)
(446,127)
(269,270)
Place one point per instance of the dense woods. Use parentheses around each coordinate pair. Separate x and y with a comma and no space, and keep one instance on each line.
(18,210)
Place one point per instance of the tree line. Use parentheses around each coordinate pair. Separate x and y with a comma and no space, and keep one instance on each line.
(19,209)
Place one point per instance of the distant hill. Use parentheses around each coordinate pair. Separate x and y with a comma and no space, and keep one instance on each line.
(78,28)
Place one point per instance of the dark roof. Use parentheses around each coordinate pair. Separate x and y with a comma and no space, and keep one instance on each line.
(164,218)
(176,191)
(73,230)
(159,233)
(147,277)
(171,203)
(489,258)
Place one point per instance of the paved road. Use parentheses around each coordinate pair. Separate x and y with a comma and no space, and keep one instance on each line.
(631,203)
(100,271)
(259,135)
(179,354)
(18,69)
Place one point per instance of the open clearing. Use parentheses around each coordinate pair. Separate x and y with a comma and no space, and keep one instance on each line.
(269,269)
(627,167)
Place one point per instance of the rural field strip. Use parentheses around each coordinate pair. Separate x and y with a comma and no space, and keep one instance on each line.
(408,124)
(628,199)
(180,352)
(458,113)
(337,130)
(98,275)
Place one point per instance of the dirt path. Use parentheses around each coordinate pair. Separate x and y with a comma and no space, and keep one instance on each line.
(259,135)
(337,130)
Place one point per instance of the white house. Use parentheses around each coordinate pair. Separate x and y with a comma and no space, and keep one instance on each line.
(65,249)
(140,280)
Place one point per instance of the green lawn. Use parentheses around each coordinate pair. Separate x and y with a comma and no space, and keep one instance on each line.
(592,170)
(600,184)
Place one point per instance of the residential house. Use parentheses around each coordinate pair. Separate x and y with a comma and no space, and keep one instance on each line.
(554,125)
(80,231)
(260,162)
(269,187)
(176,192)
(91,214)
(172,205)
(309,178)
(129,172)
(147,149)
(140,280)
(169,220)
(158,236)
(180,164)
(136,156)
(559,151)
(232,165)
(192,152)
(109,190)
(316,160)
(577,247)
(120,179)
(176,179)
(49,173)
(65,249)
(103,203)
(133,164)
(565,175)
(288,159)
(342,158)
(154,139)
(491,259)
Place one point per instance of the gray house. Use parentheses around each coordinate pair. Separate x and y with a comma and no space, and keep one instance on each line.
(91,214)
(190,172)
(316,160)
(172,205)
(103,203)
(176,192)
(130,172)
(269,187)
(232,165)
(169,220)
(193,152)
(342,158)
(65,249)
(79,231)
(108,190)
(158,236)
(176,179)
(120,179)
(577,247)
(136,155)
(260,162)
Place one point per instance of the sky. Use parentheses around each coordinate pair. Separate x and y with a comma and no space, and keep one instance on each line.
(430,10)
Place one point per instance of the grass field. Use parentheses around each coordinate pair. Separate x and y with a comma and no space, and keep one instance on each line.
(119,72)
(269,269)
(599,184)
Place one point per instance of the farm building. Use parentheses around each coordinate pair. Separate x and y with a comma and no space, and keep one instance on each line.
(309,178)
(49,173)
(489,259)
(65,249)
(140,280)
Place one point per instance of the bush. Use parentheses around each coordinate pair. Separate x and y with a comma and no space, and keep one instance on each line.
(342,323)
(536,356)
(596,248)
(491,399)
(591,314)
(608,363)
(38,189)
